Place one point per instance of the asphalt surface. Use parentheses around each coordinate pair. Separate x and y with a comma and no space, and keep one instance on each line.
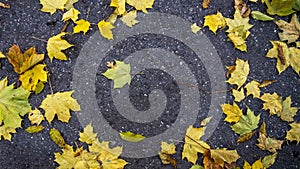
(31,151)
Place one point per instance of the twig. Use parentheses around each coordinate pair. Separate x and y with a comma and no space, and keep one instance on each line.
(43,40)
(49,80)
(65,26)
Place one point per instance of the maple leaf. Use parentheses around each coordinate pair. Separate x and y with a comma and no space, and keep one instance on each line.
(287,112)
(295,59)
(112,18)
(247,123)
(81,26)
(238,30)
(245,137)
(214,22)
(240,73)
(52,5)
(280,52)
(88,135)
(34,129)
(233,112)
(253,89)
(13,104)
(238,94)
(59,104)
(273,103)
(291,31)
(129,18)
(69,4)
(242,7)
(68,158)
(280,7)
(120,6)
(55,45)
(131,137)
(71,14)
(23,62)
(165,153)
(35,116)
(256,165)
(141,4)
(294,133)
(222,155)
(195,28)
(105,29)
(119,73)
(34,79)
(193,145)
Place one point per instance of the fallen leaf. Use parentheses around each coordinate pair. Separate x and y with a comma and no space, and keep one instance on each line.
(272,102)
(165,153)
(242,7)
(238,30)
(280,7)
(269,144)
(35,116)
(23,62)
(88,136)
(34,79)
(57,138)
(59,104)
(205,121)
(247,123)
(288,112)
(34,129)
(205,3)
(222,155)
(238,94)
(281,53)
(294,133)
(141,4)
(13,105)
(55,45)
(131,137)
(119,73)
(291,31)
(81,26)
(256,165)
(112,18)
(197,167)
(105,29)
(233,112)
(253,89)
(120,6)
(295,59)
(130,18)
(4,5)
(261,16)
(269,160)
(195,29)
(69,4)
(52,5)
(245,137)
(2,55)
(214,22)
(71,14)
(240,73)
(266,83)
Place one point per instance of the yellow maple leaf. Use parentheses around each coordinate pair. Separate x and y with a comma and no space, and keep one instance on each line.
(294,133)
(221,156)
(233,112)
(52,5)
(195,28)
(55,45)
(238,94)
(238,30)
(120,6)
(240,73)
(295,59)
(256,165)
(105,29)
(34,79)
(141,4)
(69,4)
(81,26)
(130,18)
(267,143)
(23,62)
(88,135)
(165,153)
(71,14)
(59,104)
(6,132)
(112,18)
(272,102)
(168,148)
(281,53)
(214,22)
(35,116)
(253,88)
(193,145)
(291,31)
(288,112)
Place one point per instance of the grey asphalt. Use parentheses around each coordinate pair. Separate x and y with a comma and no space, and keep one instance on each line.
(36,151)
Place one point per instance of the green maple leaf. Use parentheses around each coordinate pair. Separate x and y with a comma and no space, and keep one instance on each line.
(119,73)
(247,123)
(13,104)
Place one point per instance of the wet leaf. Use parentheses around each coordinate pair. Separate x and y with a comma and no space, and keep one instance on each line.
(69,4)
(129,18)
(52,5)
(245,137)
(288,112)
(57,138)
(256,165)
(141,4)
(280,7)
(253,89)
(291,31)
(269,144)
(71,14)
(281,53)
(261,16)
(266,83)
(295,59)
(294,133)
(131,137)
(233,112)
(105,29)
(34,129)
(88,136)
(272,102)
(165,154)
(2,55)
(269,160)
(120,6)
(205,3)
(240,73)
(35,116)
(81,26)
(119,73)
(222,155)
(195,28)
(238,94)
(55,45)
(247,123)
(214,22)
(197,167)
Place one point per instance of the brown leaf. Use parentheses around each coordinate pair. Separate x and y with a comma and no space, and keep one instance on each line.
(4,5)
(242,7)
(266,83)
(205,3)
(245,137)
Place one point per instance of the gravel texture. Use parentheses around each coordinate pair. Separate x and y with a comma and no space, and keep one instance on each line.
(24,22)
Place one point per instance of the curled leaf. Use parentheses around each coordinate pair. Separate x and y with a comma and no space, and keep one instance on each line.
(131,137)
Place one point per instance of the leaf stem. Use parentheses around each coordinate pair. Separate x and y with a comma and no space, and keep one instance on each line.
(49,80)
(43,40)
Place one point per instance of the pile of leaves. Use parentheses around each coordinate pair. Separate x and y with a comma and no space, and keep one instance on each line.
(33,76)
